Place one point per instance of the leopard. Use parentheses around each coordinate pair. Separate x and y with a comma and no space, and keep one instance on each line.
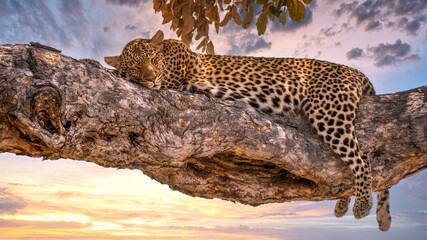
(328,94)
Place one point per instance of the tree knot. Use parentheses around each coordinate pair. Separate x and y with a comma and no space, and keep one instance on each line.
(38,115)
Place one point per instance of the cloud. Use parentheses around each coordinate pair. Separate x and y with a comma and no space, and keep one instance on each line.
(324,35)
(10,203)
(386,54)
(354,53)
(330,31)
(414,217)
(410,26)
(402,15)
(32,225)
(406,7)
(130,27)
(373,25)
(127,3)
(345,8)
(70,7)
(62,24)
(367,11)
(248,44)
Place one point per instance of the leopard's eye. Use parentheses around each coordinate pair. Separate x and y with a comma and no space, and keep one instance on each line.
(133,72)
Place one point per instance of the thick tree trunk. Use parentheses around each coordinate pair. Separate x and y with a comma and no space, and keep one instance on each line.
(53,106)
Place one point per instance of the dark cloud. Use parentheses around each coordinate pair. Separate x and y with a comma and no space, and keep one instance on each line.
(10,203)
(130,27)
(127,3)
(319,38)
(408,7)
(345,8)
(60,23)
(354,53)
(403,15)
(331,31)
(386,54)
(247,44)
(70,7)
(33,18)
(373,25)
(410,26)
(367,10)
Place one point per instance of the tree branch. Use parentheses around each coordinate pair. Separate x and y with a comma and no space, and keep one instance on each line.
(53,106)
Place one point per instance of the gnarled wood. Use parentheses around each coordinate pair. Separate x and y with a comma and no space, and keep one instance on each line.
(53,106)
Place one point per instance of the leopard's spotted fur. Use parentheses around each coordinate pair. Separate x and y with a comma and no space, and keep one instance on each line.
(327,93)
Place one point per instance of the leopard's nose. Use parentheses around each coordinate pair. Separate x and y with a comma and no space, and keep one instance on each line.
(152,79)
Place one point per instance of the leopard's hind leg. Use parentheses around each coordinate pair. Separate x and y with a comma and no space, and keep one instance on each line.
(383,209)
(334,123)
(341,207)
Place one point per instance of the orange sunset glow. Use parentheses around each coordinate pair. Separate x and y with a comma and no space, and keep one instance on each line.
(71,199)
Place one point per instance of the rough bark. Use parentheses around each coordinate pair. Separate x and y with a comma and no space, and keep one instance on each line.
(53,106)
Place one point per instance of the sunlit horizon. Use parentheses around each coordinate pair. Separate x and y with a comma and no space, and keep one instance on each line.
(70,199)
(96,202)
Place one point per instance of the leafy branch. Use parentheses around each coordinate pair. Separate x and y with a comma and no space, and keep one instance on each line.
(190,19)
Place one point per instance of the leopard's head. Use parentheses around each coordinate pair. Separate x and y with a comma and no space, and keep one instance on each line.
(141,61)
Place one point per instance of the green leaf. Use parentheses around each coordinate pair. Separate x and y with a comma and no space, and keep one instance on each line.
(261,24)
(270,15)
(272,9)
(282,18)
(296,10)
(263,2)
(249,17)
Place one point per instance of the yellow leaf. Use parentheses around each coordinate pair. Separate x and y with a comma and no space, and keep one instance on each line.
(210,48)
(157,5)
(261,24)
(202,44)
(188,24)
(236,15)
(175,23)
(220,5)
(187,38)
(226,19)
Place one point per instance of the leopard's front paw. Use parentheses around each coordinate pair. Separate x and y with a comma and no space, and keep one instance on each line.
(362,206)
(341,207)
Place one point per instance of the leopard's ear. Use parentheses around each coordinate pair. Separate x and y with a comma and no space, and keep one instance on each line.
(158,37)
(113,61)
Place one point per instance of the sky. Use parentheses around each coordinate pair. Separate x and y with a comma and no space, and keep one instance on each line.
(67,199)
